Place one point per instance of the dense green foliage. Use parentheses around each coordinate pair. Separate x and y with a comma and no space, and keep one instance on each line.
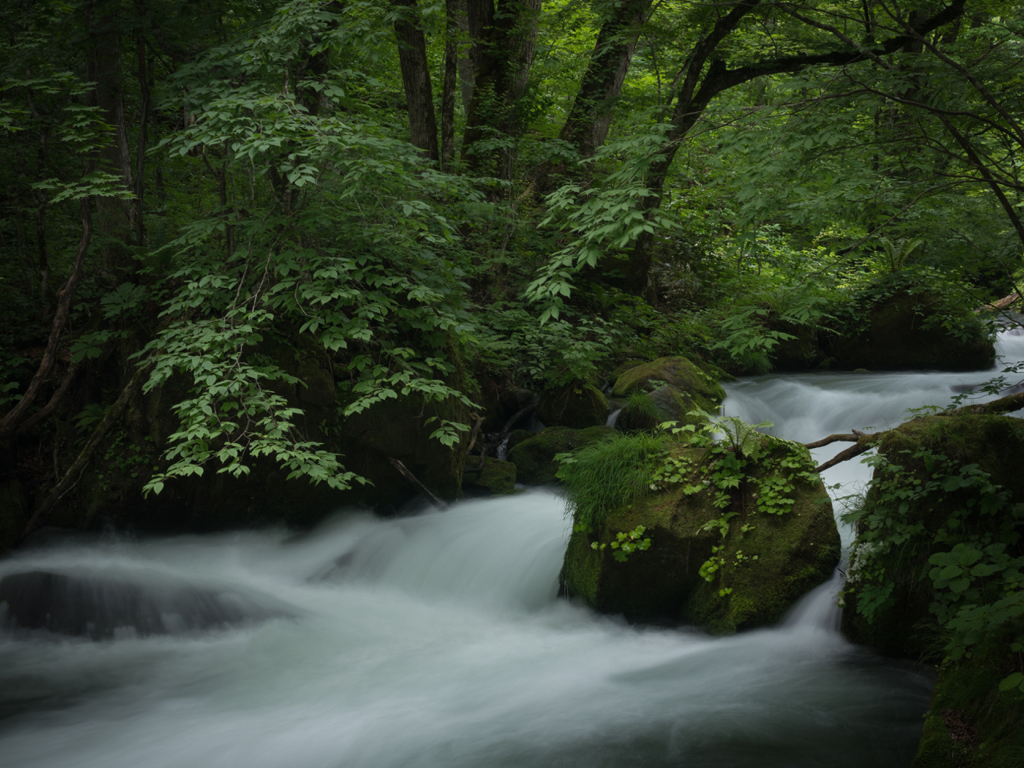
(230,176)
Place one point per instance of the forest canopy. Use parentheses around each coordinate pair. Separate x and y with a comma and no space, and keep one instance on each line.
(439,195)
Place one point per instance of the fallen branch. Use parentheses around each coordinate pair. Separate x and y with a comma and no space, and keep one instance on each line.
(865,442)
(852,452)
(840,438)
(412,479)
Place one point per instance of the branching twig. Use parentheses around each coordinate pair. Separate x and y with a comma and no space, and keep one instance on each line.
(71,476)
(412,479)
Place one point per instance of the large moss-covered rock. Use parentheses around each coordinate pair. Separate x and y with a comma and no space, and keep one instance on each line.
(906,331)
(993,444)
(535,457)
(578,405)
(666,389)
(768,560)
(971,723)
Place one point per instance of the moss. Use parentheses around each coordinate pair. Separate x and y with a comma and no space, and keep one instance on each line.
(675,387)
(535,457)
(794,552)
(516,436)
(498,477)
(642,412)
(677,372)
(621,368)
(971,723)
(578,405)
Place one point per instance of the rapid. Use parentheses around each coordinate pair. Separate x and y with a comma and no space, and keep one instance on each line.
(438,640)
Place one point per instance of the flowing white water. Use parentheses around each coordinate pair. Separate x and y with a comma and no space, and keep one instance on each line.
(809,406)
(433,641)
(438,641)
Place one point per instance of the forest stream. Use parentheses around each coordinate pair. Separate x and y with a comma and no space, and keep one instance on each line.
(438,640)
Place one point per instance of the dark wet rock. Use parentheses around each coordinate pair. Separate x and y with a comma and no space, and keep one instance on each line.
(535,457)
(913,331)
(577,405)
(494,476)
(99,606)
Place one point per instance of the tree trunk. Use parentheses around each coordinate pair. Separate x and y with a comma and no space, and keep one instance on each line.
(115,217)
(11,421)
(706,76)
(505,36)
(587,125)
(412,57)
(466,57)
(451,57)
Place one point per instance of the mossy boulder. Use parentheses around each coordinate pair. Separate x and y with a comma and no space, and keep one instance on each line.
(950,485)
(971,723)
(673,386)
(768,560)
(904,625)
(535,457)
(495,477)
(621,368)
(910,330)
(577,405)
(517,436)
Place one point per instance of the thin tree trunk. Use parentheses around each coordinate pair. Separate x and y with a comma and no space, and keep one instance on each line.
(75,470)
(412,58)
(9,423)
(140,150)
(506,37)
(705,77)
(466,57)
(115,217)
(451,57)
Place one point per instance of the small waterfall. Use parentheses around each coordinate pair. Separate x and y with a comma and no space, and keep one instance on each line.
(502,451)
(613,417)
(819,608)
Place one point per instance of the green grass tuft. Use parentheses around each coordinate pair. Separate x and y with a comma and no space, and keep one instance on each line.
(607,475)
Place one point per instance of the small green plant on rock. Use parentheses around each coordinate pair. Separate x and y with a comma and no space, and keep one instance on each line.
(625,543)
(738,465)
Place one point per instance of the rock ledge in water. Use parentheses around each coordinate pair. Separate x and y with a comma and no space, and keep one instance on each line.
(98,605)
